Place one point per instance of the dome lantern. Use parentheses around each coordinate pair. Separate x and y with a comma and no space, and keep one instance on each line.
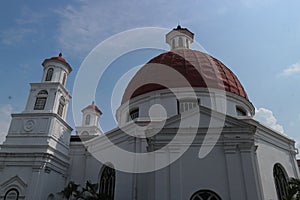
(180,38)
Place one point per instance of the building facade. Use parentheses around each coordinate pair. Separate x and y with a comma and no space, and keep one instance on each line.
(184,107)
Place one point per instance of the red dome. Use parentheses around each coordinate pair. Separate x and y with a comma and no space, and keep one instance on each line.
(193,68)
(59,58)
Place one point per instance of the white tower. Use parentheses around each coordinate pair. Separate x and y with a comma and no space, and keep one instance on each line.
(50,95)
(38,138)
(90,119)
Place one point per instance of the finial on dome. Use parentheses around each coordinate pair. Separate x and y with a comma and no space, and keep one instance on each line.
(60,54)
(93,102)
(178,25)
(180,38)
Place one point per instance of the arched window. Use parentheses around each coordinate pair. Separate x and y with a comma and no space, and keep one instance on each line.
(12,194)
(107,183)
(241,111)
(43,92)
(173,44)
(64,79)
(84,133)
(49,74)
(180,42)
(280,180)
(61,106)
(205,195)
(87,120)
(187,43)
(41,99)
(133,114)
(50,197)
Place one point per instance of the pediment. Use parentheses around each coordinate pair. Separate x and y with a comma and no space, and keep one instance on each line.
(14,182)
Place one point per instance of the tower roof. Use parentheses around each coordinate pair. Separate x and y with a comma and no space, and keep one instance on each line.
(59,58)
(93,107)
(184,31)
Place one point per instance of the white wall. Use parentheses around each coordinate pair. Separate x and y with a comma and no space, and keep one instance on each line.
(217,100)
(272,150)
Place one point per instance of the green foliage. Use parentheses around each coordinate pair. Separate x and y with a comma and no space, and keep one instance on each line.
(89,192)
(70,191)
(293,189)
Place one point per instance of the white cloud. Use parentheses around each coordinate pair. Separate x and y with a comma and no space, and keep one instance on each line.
(267,117)
(84,24)
(291,70)
(5,111)
(81,28)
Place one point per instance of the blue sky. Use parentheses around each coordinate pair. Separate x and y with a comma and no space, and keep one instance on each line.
(259,40)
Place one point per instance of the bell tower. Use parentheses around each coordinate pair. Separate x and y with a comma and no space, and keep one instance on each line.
(38,138)
(90,119)
(50,95)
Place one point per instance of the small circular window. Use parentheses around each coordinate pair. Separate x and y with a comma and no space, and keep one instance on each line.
(205,195)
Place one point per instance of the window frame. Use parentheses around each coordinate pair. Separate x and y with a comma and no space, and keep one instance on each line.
(210,192)
(184,105)
(180,42)
(49,74)
(173,43)
(240,111)
(41,100)
(10,190)
(133,114)
(61,106)
(187,43)
(51,197)
(64,79)
(280,181)
(107,182)
(87,119)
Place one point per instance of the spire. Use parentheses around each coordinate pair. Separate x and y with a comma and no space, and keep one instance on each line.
(180,38)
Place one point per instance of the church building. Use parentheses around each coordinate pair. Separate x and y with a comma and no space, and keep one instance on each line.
(185,132)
